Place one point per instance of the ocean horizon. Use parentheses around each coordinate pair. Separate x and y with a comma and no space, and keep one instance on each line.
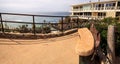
(53,13)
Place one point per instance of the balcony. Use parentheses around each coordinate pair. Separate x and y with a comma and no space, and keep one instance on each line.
(91,17)
(81,9)
(118,7)
(96,8)
(110,8)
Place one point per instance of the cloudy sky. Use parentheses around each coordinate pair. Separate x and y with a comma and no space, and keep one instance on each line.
(37,5)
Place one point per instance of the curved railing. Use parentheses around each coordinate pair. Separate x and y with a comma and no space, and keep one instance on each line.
(36,24)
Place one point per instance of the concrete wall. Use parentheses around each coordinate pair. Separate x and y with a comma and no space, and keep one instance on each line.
(111,14)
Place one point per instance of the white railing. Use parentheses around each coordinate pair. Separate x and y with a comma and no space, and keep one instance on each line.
(81,9)
(97,8)
(91,17)
(110,8)
(118,7)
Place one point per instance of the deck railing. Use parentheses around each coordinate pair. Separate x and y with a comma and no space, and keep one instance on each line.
(36,24)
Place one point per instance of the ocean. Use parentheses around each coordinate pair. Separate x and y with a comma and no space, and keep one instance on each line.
(19,18)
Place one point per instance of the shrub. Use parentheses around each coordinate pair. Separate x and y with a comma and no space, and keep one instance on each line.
(117,44)
(38,30)
(6,28)
(43,29)
(23,29)
(46,29)
(102,28)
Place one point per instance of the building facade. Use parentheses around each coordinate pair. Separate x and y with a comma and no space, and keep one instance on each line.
(97,10)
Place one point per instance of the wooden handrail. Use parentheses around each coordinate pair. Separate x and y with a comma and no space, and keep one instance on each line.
(33,20)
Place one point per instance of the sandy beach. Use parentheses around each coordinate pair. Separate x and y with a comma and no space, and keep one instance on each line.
(60,50)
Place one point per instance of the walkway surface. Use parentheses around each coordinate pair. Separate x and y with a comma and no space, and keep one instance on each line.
(60,50)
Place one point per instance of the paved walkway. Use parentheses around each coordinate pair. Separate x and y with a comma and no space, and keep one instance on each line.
(60,50)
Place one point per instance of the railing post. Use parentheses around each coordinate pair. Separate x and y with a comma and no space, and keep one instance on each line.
(34,25)
(77,22)
(62,25)
(2,27)
(71,26)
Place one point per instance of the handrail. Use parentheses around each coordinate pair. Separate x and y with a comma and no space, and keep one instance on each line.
(32,22)
(61,24)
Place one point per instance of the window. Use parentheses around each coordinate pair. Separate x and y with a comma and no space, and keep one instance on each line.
(102,5)
(110,4)
(81,6)
(118,3)
(81,13)
(102,14)
(87,14)
(117,14)
(75,7)
(75,13)
(96,5)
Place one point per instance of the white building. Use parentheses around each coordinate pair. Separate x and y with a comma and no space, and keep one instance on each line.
(98,10)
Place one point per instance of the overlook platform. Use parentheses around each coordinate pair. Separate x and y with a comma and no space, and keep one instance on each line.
(60,50)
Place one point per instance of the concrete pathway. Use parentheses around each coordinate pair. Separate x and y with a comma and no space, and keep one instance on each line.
(60,50)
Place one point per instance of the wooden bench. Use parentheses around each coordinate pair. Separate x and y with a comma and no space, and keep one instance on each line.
(85,45)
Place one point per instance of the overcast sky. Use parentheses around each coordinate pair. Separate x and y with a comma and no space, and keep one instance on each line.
(37,5)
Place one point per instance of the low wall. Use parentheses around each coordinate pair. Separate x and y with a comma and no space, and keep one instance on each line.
(37,36)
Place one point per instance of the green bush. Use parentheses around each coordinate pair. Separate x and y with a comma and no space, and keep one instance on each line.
(38,30)
(43,29)
(23,29)
(117,40)
(46,29)
(6,28)
(102,28)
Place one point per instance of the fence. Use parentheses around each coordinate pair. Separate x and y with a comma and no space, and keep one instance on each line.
(33,23)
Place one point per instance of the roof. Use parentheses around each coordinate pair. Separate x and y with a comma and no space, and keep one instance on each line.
(93,3)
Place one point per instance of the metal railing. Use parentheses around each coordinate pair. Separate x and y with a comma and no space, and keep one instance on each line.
(35,24)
